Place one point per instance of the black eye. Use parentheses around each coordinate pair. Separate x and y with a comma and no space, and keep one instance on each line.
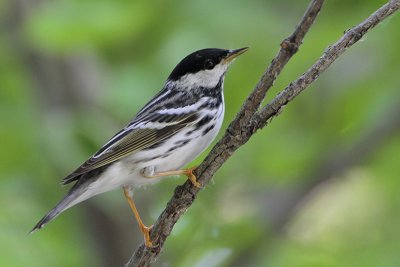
(209,64)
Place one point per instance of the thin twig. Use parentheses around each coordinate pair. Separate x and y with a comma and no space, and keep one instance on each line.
(235,137)
(289,47)
(332,52)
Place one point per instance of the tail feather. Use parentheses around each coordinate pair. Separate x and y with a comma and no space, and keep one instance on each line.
(79,192)
(64,204)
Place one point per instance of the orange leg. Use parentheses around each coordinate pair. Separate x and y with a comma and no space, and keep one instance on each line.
(187,172)
(143,228)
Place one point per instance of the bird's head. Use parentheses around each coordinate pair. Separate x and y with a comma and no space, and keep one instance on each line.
(203,68)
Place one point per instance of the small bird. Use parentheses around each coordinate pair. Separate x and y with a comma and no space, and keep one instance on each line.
(170,131)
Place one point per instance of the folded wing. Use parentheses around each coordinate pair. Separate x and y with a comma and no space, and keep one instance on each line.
(137,136)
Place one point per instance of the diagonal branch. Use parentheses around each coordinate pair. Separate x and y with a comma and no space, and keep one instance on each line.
(289,47)
(330,55)
(240,130)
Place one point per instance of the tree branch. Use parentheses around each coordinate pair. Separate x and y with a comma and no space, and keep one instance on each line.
(332,52)
(289,47)
(248,121)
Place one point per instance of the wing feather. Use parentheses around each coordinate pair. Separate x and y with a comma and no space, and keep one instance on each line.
(131,140)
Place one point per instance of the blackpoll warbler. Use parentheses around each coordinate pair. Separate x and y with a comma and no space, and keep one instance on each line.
(167,133)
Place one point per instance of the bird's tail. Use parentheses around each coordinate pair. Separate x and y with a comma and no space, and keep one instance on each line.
(80,191)
(64,204)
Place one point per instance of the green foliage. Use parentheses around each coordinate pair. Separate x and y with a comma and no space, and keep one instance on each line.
(70,25)
(123,51)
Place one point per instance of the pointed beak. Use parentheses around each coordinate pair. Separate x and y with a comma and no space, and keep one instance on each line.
(232,54)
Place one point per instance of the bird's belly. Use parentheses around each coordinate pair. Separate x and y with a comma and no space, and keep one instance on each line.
(186,147)
(177,151)
(183,155)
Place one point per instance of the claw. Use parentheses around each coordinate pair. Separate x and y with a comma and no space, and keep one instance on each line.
(187,172)
(193,179)
(143,228)
(146,234)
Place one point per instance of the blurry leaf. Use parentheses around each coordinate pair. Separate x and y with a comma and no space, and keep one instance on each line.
(67,25)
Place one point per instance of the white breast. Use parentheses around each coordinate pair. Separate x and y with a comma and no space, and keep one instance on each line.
(197,144)
(178,151)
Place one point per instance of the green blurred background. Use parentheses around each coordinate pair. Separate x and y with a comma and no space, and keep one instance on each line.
(318,187)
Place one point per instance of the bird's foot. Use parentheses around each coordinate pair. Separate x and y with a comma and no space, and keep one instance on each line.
(192,178)
(188,172)
(146,234)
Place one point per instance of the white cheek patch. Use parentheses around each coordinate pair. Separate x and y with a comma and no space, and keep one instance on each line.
(204,78)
